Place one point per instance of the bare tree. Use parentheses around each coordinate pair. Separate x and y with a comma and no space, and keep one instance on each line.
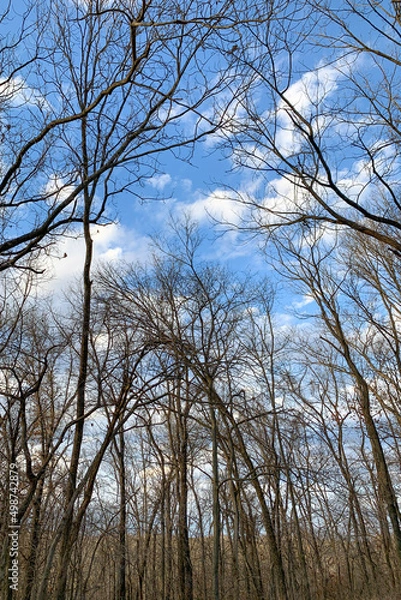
(96,92)
(95,88)
(322,124)
(351,344)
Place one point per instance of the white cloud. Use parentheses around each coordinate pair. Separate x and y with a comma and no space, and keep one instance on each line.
(284,198)
(284,201)
(17,91)
(220,205)
(306,300)
(311,89)
(230,115)
(186,184)
(159,182)
(306,97)
(111,243)
(56,190)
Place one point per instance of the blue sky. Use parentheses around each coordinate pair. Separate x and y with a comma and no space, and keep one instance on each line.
(203,187)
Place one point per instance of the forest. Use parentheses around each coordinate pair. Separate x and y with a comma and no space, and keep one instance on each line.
(175,425)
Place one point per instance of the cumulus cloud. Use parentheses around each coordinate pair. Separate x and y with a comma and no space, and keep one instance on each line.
(159,182)
(56,190)
(18,92)
(302,97)
(220,205)
(305,301)
(283,197)
(111,243)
